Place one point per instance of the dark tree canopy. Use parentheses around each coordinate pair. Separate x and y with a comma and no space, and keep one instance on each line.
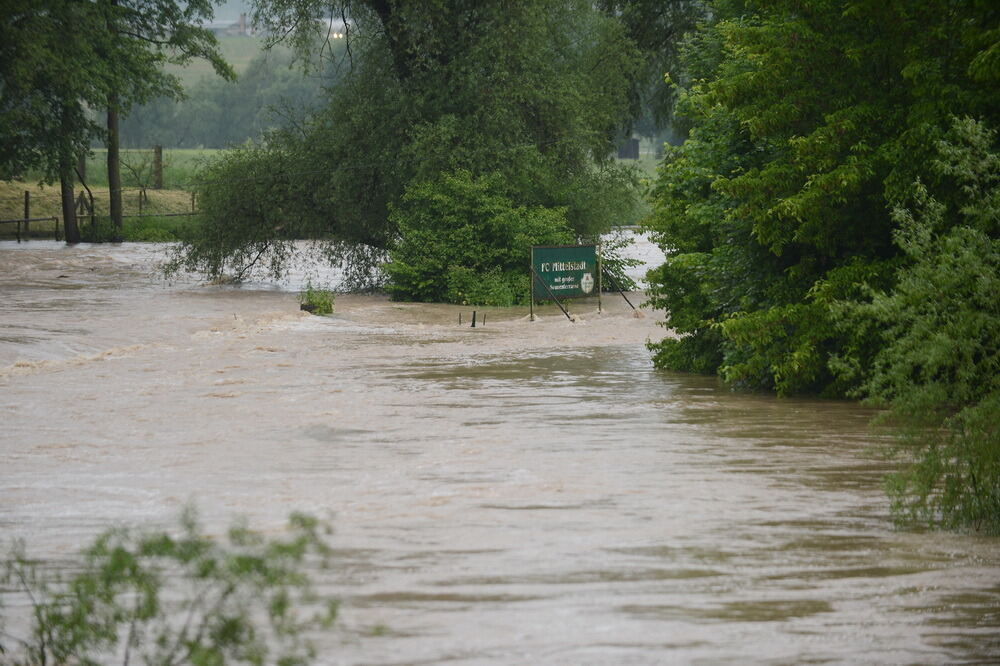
(59,60)
(831,224)
(534,92)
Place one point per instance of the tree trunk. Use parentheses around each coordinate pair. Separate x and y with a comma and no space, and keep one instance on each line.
(67,172)
(66,182)
(157,167)
(114,167)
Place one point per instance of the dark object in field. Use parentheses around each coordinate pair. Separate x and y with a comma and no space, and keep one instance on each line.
(308,307)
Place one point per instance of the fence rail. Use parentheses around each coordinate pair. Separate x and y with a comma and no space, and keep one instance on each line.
(28,220)
(57,220)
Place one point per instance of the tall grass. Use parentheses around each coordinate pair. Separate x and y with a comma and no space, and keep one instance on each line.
(152,229)
(180,166)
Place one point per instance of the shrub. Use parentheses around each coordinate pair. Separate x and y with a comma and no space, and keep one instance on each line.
(150,229)
(463,240)
(938,370)
(158,598)
(316,301)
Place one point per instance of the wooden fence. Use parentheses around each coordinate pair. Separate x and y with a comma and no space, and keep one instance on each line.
(84,209)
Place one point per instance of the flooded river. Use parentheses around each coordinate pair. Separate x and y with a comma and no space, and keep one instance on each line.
(517,493)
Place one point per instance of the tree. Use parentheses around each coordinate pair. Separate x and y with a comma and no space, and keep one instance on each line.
(49,73)
(938,370)
(158,597)
(63,58)
(140,36)
(831,228)
(781,205)
(534,92)
(658,28)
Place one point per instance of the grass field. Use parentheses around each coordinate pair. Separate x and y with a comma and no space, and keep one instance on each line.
(237,50)
(45,203)
(45,200)
(180,166)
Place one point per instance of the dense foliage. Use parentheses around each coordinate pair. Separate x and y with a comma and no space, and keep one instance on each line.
(793,204)
(534,92)
(60,60)
(463,240)
(939,368)
(163,598)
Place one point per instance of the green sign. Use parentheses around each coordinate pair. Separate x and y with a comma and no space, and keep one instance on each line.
(569,271)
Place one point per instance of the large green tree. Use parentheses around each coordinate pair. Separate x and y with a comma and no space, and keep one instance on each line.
(140,37)
(532,92)
(49,73)
(831,224)
(811,120)
(63,59)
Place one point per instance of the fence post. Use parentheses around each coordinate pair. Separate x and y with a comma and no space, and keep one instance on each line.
(157,167)
(192,202)
(27,212)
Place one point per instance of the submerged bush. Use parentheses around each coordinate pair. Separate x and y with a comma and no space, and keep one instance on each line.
(464,240)
(315,300)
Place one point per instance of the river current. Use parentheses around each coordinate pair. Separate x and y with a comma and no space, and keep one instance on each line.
(516,493)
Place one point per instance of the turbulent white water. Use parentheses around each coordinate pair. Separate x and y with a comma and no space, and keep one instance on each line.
(523,492)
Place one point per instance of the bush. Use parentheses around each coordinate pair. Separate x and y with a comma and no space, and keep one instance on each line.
(156,598)
(316,301)
(463,240)
(938,371)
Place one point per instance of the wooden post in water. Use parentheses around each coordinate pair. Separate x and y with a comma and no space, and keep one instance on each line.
(27,212)
(157,167)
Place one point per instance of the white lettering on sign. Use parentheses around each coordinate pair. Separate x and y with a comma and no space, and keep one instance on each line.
(560,266)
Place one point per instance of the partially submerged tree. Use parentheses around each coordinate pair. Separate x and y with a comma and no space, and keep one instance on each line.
(533,93)
(831,228)
(938,370)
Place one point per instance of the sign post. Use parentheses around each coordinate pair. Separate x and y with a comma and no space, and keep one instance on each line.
(565,271)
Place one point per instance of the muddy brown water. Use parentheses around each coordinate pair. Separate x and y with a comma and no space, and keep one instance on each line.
(519,493)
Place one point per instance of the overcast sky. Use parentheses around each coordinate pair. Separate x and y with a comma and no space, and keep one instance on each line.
(229,10)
